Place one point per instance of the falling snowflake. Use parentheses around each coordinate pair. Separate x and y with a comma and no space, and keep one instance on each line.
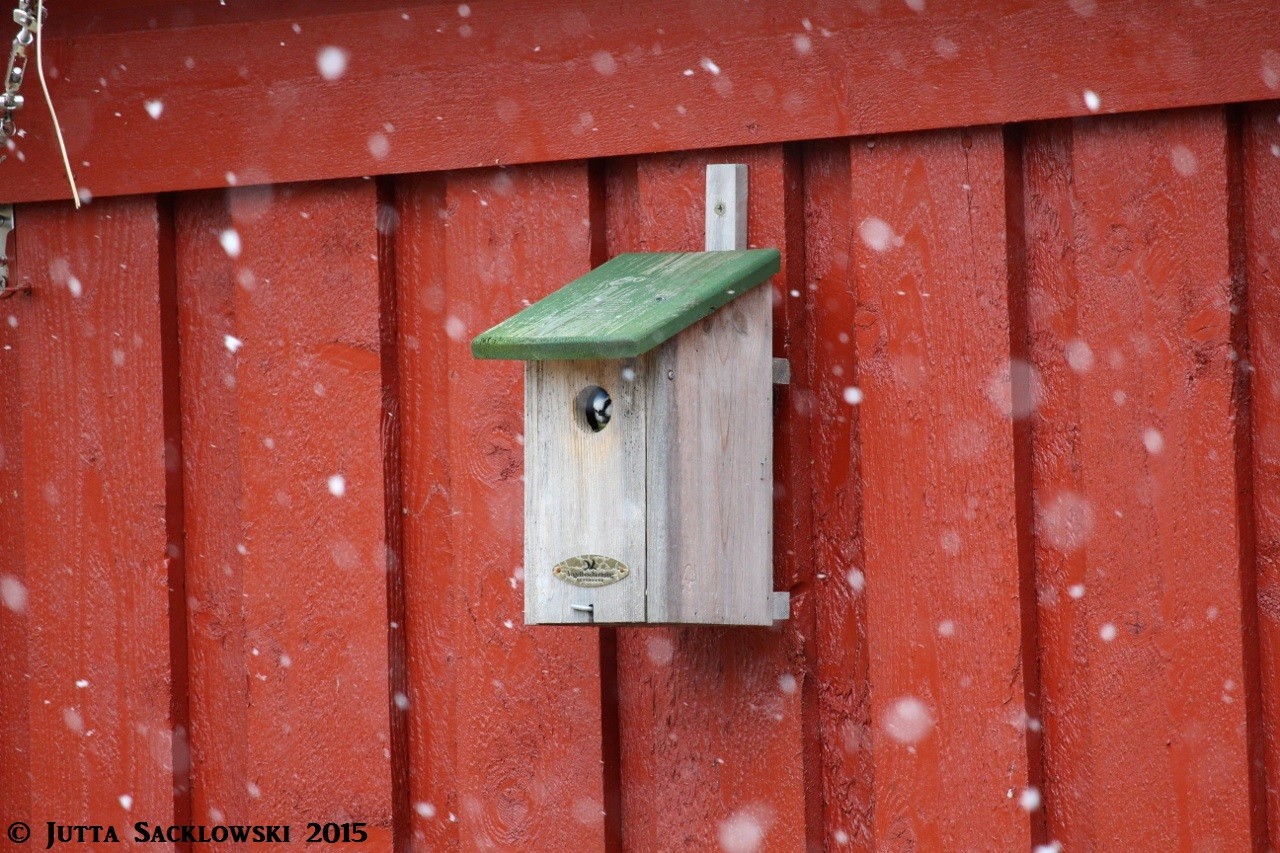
(154,108)
(455,328)
(1066,522)
(878,234)
(945,48)
(741,832)
(337,485)
(1079,356)
(13,593)
(379,146)
(1184,161)
(661,650)
(73,720)
(332,62)
(908,720)
(230,240)
(604,63)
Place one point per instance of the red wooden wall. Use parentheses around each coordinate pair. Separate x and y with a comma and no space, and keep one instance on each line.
(260,509)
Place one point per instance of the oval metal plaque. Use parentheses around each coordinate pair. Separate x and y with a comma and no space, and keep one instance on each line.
(591,570)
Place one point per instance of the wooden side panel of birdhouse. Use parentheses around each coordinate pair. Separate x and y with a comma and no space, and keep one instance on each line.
(584,491)
(710,431)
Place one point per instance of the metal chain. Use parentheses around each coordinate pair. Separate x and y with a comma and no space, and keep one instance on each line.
(11,101)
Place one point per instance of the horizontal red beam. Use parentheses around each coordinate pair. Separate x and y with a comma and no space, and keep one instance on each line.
(444,86)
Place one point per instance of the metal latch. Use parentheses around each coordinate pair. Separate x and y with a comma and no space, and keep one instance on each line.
(6,225)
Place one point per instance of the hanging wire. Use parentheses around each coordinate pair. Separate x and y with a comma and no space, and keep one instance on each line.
(44,87)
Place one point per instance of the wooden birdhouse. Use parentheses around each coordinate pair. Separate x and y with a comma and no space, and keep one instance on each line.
(649,434)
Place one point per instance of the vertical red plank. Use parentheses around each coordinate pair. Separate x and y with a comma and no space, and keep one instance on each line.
(844,696)
(15,734)
(505,731)
(1138,552)
(286,560)
(94,514)
(427,548)
(942,586)
(712,724)
(1261,189)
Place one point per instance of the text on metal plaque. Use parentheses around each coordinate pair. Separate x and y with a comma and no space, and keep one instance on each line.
(591,570)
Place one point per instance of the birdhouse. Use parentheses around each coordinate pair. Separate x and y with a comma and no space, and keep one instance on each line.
(648,440)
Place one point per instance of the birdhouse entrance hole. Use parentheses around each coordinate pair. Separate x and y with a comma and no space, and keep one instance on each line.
(593,408)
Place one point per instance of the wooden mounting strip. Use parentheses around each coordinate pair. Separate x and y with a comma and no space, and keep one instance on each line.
(238,94)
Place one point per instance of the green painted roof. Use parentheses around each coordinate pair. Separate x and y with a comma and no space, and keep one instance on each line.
(627,306)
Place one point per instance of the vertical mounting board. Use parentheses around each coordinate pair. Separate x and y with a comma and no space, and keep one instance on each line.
(726,207)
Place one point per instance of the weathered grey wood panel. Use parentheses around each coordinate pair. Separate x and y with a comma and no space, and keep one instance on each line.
(584,490)
(710,435)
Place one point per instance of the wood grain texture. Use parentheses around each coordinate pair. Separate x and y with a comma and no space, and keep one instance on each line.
(284,494)
(505,733)
(15,731)
(89,395)
(1261,194)
(712,728)
(842,699)
(1138,553)
(584,492)
(540,80)
(709,405)
(941,564)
